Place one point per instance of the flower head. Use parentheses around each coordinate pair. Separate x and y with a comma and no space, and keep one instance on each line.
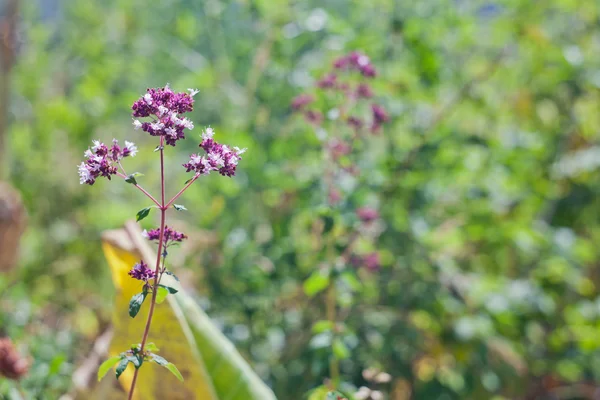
(301,101)
(219,157)
(164,106)
(328,82)
(102,160)
(12,364)
(364,90)
(358,62)
(171,235)
(367,214)
(314,117)
(380,116)
(141,272)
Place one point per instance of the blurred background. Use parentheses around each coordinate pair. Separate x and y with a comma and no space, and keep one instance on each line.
(486,179)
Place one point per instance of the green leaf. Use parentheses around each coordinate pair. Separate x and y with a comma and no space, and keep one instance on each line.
(135,303)
(161,294)
(159,360)
(151,347)
(322,326)
(171,367)
(136,360)
(179,207)
(131,177)
(143,213)
(106,366)
(56,363)
(316,283)
(121,367)
(169,288)
(340,350)
(188,181)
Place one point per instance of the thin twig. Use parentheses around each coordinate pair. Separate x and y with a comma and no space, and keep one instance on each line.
(163,212)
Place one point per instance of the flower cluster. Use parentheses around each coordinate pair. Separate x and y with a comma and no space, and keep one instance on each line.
(102,160)
(219,157)
(164,106)
(367,214)
(358,62)
(171,236)
(12,364)
(352,92)
(141,272)
(370,261)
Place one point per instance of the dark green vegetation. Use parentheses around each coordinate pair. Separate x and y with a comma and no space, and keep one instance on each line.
(486,179)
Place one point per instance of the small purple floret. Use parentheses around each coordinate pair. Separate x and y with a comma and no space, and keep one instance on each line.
(141,272)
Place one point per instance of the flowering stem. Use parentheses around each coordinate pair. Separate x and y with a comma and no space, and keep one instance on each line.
(141,189)
(330,309)
(182,190)
(163,212)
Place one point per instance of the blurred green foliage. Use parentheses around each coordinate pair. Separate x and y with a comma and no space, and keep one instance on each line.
(486,178)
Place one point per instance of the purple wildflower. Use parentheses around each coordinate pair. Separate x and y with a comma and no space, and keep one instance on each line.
(355,122)
(141,272)
(371,261)
(314,117)
(219,157)
(368,70)
(301,101)
(380,116)
(339,148)
(328,81)
(364,90)
(102,161)
(367,214)
(164,106)
(341,62)
(170,236)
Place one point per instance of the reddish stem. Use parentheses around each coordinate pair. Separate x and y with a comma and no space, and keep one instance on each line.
(163,212)
(141,189)
(182,190)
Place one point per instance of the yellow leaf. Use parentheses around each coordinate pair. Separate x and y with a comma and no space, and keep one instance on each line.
(184,333)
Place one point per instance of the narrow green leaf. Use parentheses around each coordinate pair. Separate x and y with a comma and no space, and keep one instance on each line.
(121,367)
(171,367)
(340,351)
(106,366)
(143,213)
(179,207)
(151,347)
(131,177)
(316,283)
(161,294)
(159,360)
(169,288)
(136,360)
(188,181)
(135,303)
